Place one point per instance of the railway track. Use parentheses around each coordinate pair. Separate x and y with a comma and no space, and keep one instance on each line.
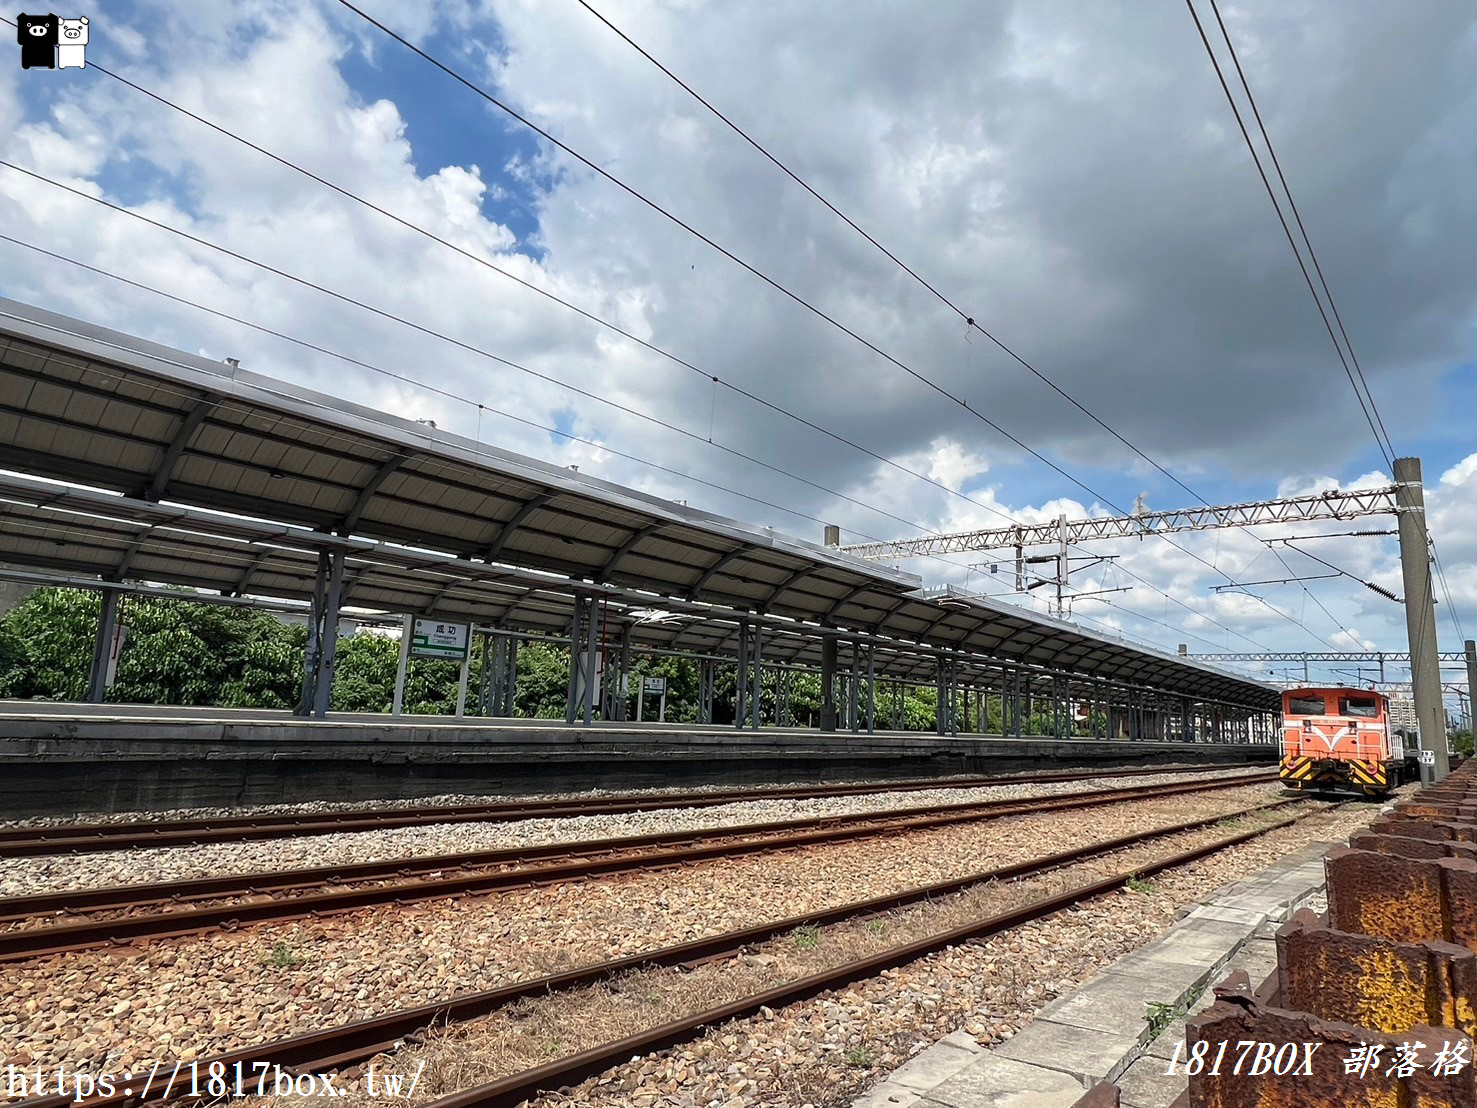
(77,838)
(350,1044)
(483,872)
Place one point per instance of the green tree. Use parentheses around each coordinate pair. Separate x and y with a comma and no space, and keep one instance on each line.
(183,652)
(57,628)
(15,665)
(364,673)
(543,680)
(1461,742)
(176,651)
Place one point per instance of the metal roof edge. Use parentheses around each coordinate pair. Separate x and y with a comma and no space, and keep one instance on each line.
(31,323)
(1002,607)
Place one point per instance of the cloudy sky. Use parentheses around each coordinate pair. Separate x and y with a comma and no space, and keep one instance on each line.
(1068,174)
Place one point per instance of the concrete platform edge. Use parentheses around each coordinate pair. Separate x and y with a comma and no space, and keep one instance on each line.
(1098,1031)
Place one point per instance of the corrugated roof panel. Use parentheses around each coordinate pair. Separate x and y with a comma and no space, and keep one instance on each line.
(453,495)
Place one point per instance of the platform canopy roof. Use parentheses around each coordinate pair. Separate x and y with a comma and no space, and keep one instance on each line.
(183,470)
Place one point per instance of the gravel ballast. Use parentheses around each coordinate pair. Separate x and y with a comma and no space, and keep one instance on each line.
(826,1052)
(823,1052)
(23,876)
(199,995)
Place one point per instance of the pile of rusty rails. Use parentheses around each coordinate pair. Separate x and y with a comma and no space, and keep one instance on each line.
(1374,1003)
(346,1048)
(69,920)
(82,838)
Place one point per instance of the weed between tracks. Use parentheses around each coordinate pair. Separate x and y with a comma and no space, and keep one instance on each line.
(283,956)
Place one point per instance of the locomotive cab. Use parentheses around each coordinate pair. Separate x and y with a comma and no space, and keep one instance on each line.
(1341,739)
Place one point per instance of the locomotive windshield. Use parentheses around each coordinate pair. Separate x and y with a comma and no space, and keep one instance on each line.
(1359,706)
(1306,706)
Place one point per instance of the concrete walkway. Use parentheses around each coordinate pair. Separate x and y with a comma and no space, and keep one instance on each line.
(1101,1031)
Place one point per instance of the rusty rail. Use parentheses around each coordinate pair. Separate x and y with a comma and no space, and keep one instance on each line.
(354,1043)
(19,842)
(597,857)
(512,1090)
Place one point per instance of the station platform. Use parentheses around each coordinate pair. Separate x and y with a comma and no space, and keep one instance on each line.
(59,759)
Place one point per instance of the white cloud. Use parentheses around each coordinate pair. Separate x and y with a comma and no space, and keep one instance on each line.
(1052,167)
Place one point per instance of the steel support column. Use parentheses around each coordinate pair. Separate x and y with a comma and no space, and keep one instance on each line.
(854,691)
(741,677)
(491,665)
(828,683)
(590,661)
(756,675)
(328,637)
(102,646)
(510,680)
(708,678)
(872,688)
(940,699)
(576,638)
(310,651)
(623,690)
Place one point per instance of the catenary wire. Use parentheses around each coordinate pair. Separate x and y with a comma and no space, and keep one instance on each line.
(969,320)
(483,407)
(468,347)
(674,358)
(716,380)
(1377,425)
(773,283)
(944,299)
(600,321)
(1302,230)
(664,353)
(746,266)
(1286,230)
(1456,621)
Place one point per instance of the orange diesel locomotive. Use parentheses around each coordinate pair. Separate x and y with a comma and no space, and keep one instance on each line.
(1341,739)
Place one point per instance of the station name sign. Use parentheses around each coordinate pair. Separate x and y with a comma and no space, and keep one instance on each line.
(431,638)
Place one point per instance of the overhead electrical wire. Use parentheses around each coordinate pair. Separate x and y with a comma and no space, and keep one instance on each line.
(1310,595)
(348,359)
(624,409)
(1388,446)
(960,312)
(727,253)
(1371,413)
(1456,621)
(773,283)
(1215,62)
(598,320)
(592,317)
(647,345)
(941,297)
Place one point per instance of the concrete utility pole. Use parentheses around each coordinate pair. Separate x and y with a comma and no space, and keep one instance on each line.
(1420,614)
(1472,684)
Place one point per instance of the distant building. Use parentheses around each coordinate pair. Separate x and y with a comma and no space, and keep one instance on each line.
(1402,715)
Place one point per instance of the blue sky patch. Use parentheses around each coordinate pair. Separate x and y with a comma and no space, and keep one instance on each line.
(448,124)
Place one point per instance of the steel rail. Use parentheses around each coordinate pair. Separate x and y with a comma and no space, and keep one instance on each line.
(353,1043)
(601,857)
(72,901)
(16,842)
(512,1090)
